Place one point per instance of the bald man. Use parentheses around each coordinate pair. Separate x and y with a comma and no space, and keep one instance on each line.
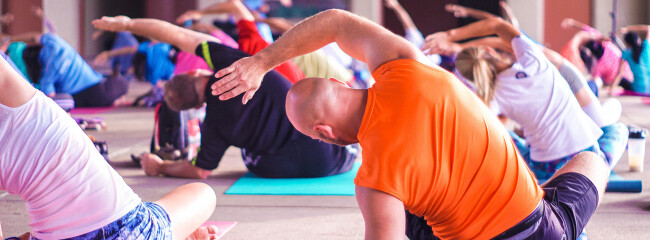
(429,145)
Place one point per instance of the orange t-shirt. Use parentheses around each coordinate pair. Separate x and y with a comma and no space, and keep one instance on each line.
(430,142)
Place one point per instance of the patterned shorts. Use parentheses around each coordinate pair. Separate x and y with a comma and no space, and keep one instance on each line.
(146,221)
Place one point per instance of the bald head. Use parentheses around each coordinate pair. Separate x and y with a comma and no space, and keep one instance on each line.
(325,109)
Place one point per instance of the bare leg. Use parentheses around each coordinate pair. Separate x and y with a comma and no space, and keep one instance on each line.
(188,206)
(591,166)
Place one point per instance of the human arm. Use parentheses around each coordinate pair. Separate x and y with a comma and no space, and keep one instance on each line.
(185,39)
(451,48)
(642,30)
(217,8)
(508,14)
(618,78)
(154,166)
(505,31)
(463,12)
(382,213)
(357,36)
(572,23)
(401,13)
(105,55)
(14,90)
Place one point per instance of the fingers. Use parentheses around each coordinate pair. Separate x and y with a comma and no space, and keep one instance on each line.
(248,96)
(224,87)
(232,93)
(225,71)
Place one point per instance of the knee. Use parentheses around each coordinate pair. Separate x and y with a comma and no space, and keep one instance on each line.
(592,166)
(204,192)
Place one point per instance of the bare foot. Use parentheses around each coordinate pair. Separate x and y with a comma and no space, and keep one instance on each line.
(204,233)
(123,101)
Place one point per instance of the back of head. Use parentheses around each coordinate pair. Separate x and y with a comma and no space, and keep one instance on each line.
(632,41)
(587,58)
(478,66)
(181,92)
(308,102)
(30,57)
(596,48)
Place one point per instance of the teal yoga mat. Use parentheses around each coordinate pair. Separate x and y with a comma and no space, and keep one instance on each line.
(619,184)
(342,184)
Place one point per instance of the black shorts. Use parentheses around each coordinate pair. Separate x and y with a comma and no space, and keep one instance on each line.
(569,201)
(102,94)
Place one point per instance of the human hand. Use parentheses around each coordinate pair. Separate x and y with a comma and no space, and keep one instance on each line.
(457,10)
(204,233)
(441,44)
(151,164)
(101,59)
(37,11)
(113,24)
(7,18)
(392,4)
(189,15)
(244,75)
(567,23)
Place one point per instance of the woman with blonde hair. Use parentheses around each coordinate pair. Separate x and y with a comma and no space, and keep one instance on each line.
(529,89)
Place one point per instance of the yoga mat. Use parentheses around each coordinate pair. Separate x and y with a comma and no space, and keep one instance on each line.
(618,184)
(342,184)
(224,227)
(90,110)
(633,93)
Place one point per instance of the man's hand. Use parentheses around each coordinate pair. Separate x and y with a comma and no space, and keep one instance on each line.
(151,164)
(244,75)
(457,10)
(113,24)
(567,23)
(189,15)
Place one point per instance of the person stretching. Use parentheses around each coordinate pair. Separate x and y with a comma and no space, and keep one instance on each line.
(70,190)
(430,146)
(270,146)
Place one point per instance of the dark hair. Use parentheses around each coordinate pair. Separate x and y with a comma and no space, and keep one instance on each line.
(596,48)
(587,58)
(180,92)
(140,66)
(34,67)
(632,41)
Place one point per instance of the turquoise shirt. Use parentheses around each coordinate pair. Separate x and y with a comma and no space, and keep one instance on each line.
(63,69)
(641,69)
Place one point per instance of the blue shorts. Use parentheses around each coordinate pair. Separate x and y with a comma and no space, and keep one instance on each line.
(146,221)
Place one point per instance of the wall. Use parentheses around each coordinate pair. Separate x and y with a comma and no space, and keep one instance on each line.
(370,9)
(530,14)
(555,11)
(64,14)
(628,12)
(25,20)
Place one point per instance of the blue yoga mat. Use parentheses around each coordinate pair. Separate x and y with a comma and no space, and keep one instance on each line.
(342,184)
(619,184)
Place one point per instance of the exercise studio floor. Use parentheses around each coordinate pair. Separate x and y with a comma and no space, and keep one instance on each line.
(620,215)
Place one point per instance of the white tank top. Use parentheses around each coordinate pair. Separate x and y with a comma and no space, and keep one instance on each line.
(47,160)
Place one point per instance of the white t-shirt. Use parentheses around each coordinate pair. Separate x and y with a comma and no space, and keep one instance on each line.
(47,160)
(533,93)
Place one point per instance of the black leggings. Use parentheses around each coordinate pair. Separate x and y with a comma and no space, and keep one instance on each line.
(102,94)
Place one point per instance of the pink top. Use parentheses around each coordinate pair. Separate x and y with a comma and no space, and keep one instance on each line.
(225,39)
(186,62)
(607,66)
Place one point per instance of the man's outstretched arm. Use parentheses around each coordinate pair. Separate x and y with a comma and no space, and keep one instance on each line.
(357,36)
(185,39)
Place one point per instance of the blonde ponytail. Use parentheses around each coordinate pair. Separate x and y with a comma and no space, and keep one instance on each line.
(477,65)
